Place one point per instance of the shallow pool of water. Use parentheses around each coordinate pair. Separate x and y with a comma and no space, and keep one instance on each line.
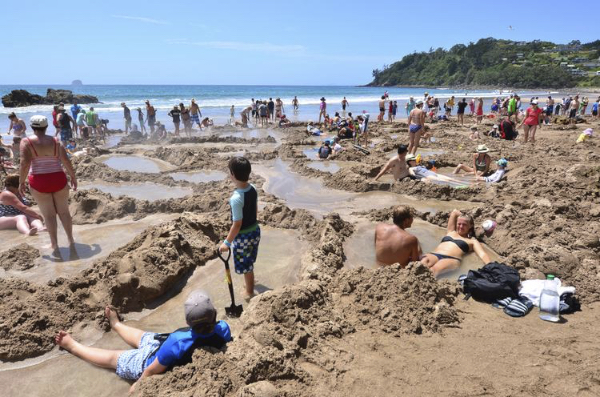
(298,191)
(140,191)
(92,242)
(136,164)
(278,264)
(360,247)
(202,176)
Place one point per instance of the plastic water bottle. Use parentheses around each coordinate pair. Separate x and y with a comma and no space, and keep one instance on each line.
(549,300)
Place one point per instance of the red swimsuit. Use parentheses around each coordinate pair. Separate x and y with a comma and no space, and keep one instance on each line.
(46,174)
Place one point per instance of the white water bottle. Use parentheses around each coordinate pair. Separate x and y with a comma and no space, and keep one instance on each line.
(550,301)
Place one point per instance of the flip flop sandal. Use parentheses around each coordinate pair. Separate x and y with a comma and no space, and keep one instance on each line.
(518,307)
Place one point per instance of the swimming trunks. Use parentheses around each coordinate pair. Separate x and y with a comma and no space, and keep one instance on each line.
(132,363)
(460,243)
(414,128)
(245,250)
(46,174)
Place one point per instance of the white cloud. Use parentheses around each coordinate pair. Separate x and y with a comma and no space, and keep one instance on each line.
(244,46)
(141,19)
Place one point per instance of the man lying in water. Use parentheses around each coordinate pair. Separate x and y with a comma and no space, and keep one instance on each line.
(425,174)
(459,241)
(396,165)
(393,244)
(155,353)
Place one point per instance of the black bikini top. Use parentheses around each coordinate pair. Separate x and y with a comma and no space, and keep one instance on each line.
(461,243)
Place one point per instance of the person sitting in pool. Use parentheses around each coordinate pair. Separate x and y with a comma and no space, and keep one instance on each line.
(425,173)
(393,244)
(324,151)
(481,163)
(206,122)
(284,122)
(496,176)
(396,165)
(312,130)
(458,242)
(153,353)
(15,212)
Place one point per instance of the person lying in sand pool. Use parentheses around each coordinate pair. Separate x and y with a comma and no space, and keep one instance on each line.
(393,244)
(14,209)
(396,165)
(459,241)
(153,353)
(425,174)
(496,176)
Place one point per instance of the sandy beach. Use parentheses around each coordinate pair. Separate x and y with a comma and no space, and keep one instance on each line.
(148,217)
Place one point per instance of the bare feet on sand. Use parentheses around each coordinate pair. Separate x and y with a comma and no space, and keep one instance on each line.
(33,231)
(111,314)
(64,340)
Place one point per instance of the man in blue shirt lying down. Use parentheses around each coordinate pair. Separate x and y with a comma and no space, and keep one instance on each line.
(155,353)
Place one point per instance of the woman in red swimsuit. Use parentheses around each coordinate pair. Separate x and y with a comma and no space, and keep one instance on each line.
(47,179)
(531,122)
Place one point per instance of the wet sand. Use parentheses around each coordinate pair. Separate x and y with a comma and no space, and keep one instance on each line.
(327,320)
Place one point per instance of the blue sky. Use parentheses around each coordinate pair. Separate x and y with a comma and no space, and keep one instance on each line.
(257,42)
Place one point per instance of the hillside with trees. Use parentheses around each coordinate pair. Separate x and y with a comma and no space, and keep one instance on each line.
(498,63)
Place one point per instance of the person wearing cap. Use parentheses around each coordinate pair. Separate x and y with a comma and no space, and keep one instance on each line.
(416,123)
(493,132)
(531,121)
(481,162)
(65,121)
(42,162)
(175,114)
(497,175)
(426,174)
(155,353)
(396,165)
(322,109)
(393,244)
(127,117)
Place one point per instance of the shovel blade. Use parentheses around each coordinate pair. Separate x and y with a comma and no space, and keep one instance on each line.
(234,310)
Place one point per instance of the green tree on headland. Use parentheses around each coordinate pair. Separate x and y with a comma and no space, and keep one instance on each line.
(491,62)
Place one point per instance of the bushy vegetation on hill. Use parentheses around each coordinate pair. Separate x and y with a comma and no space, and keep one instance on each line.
(502,63)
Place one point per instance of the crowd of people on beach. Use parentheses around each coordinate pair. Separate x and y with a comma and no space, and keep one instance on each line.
(44,168)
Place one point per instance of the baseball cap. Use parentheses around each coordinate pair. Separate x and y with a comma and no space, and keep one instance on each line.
(38,121)
(502,162)
(419,102)
(489,226)
(199,309)
(534,102)
(411,157)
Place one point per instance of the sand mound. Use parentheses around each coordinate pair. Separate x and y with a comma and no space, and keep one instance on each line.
(131,277)
(290,336)
(20,257)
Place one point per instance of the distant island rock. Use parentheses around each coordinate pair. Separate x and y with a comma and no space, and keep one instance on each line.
(76,82)
(19,98)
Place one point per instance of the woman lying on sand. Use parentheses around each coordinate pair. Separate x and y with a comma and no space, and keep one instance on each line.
(14,210)
(459,241)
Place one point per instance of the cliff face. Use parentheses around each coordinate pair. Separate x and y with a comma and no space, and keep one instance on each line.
(19,98)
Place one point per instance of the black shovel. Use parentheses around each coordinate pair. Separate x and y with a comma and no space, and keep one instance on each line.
(233,310)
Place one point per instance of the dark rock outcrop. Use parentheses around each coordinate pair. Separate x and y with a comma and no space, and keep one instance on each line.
(18,98)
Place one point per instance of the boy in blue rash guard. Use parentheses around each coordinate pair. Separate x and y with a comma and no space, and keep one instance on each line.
(155,353)
(244,235)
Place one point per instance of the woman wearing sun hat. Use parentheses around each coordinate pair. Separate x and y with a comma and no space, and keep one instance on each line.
(481,162)
(531,121)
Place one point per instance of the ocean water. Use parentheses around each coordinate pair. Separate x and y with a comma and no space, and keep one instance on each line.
(216,100)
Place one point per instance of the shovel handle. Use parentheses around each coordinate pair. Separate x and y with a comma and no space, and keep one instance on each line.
(226,260)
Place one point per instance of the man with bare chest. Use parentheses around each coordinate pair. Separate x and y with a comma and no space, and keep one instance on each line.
(393,244)
(396,165)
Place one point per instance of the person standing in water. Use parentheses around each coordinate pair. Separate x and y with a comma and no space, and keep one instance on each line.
(381,109)
(141,120)
(126,117)
(43,158)
(344,104)
(416,123)
(195,113)
(322,109)
(175,114)
(17,126)
(295,104)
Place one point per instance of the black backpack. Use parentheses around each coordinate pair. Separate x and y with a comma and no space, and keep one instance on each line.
(492,282)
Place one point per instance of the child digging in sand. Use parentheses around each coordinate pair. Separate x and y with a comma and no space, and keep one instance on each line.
(155,353)
(244,235)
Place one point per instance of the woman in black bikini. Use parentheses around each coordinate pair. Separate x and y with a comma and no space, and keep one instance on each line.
(459,241)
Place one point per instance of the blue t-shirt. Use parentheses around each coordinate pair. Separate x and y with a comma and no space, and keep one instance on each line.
(595,107)
(75,109)
(179,342)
